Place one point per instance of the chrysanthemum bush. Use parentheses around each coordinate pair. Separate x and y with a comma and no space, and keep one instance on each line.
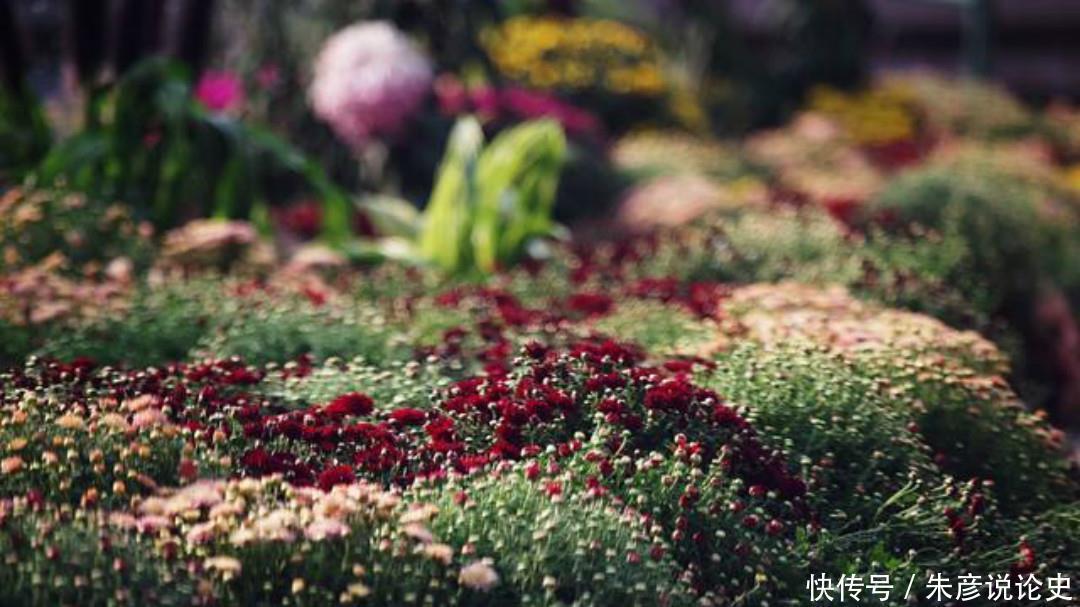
(577,470)
(656,420)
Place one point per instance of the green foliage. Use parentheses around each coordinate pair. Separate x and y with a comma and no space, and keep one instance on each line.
(24,134)
(923,272)
(161,325)
(1019,234)
(978,428)
(55,557)
(391,384)
(489,202)
(263,330)
(38,223)
(148,142)
(854,442)
(552,551)
(659,328)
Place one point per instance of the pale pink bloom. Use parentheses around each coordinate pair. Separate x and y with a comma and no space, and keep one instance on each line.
(334,505)
(226,510)
(153,505)
(242,537)
(152,523)
(143,401)
(369,80)
(219,91)
(418,532)
(122,520)
(419,513)
(478,575)
(279,525)
(149,418)
(201,494)
(200,533)
(306,496)
(71,421)
(115,421)
(323,528)
(439,552)
(202,240)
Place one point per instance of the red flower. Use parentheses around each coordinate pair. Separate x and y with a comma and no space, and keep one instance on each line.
(188,470)
(590,304)
(353,403)
(336,475)
(407,416)
(670,395)
(1026,562)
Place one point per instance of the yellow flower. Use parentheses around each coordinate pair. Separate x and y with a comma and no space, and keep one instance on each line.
(576,55)
(873,117)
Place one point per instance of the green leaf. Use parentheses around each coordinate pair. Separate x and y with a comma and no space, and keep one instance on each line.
(517,177)
(448,219)
(393,217)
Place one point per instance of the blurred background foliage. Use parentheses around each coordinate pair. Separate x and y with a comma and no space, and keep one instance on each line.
(768,127)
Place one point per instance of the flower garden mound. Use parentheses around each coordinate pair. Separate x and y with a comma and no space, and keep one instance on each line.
(951,381)
(774,314)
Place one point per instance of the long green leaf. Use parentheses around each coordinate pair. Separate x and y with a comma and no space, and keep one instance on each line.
(448,219)
(517,176)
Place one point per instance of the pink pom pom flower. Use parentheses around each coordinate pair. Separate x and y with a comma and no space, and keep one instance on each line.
(369,81)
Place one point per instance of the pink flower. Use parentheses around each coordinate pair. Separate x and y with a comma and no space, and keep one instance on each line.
(323,528)
(451,94)
(200,533)
(219,91)
(152,523)
(369,82)
(149,418)
(527,104)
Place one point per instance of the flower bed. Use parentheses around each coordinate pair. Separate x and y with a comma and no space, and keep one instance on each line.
(389,442)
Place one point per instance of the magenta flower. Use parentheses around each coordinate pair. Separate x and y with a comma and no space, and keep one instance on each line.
(220,91)
(527,104)
(514,103)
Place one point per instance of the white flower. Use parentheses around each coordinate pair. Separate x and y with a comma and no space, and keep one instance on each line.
(478,575)
(369,80)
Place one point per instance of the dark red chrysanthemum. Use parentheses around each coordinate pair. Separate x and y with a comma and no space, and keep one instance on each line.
(408,417)
(336,475)
(353,403)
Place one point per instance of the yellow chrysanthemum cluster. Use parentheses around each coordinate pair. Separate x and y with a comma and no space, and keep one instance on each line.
(876,116)
(576,55)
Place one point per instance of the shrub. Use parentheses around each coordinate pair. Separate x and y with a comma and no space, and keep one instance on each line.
(81,234)
(553,545)
(1019,235)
